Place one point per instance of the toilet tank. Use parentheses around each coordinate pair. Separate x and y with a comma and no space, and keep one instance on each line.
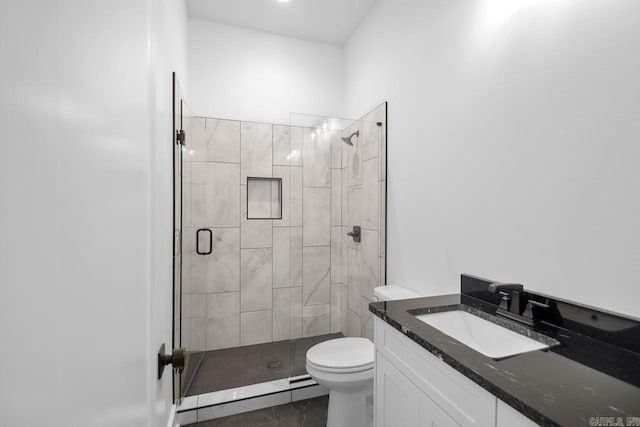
(393,292)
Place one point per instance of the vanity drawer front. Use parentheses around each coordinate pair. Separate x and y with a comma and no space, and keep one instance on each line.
(462,399)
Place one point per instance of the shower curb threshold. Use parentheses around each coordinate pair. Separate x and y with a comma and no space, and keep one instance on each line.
(218,404)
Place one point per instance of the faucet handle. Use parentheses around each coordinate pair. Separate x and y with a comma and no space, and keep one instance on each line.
(505,301)
(497,286)
(529,309)
(533,303)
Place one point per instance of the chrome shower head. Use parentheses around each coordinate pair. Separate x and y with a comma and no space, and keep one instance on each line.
(347,140)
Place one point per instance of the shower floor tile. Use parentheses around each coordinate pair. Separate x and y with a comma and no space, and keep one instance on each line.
(253,364)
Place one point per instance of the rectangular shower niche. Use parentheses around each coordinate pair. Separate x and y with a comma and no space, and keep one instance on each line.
(264,198)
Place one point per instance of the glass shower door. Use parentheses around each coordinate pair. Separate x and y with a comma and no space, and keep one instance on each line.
(197,244)
(191,243)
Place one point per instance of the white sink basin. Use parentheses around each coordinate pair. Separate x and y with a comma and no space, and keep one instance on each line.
(483,336)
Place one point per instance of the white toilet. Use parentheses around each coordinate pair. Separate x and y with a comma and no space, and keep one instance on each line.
(345,367)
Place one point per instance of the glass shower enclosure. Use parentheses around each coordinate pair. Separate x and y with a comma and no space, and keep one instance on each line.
(261,256)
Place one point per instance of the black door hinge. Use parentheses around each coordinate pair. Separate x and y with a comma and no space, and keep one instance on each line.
(180,137)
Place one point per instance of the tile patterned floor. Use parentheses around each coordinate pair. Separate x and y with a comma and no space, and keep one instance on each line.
(240,366)
(305,413)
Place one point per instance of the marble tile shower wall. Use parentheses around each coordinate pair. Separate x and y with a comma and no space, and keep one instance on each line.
(362,176)
(266,280)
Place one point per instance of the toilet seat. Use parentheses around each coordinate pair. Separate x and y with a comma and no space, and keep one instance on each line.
(342,355)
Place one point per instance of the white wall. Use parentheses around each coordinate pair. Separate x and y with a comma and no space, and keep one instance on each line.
(513,142)
(85,260)
(241,74)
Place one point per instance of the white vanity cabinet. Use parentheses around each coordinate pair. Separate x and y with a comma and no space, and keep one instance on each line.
(508,417)
(415,388)
(404,404)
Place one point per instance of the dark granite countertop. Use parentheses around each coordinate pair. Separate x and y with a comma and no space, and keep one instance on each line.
(577,378)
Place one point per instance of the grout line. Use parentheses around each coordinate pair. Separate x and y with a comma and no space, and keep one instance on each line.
(302,162)
(289,231)
(331,185)
(240,242)
(272,242)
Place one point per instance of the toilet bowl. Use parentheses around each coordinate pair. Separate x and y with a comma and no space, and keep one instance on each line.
(345,367)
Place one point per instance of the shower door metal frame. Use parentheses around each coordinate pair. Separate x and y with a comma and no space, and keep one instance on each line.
(176,144)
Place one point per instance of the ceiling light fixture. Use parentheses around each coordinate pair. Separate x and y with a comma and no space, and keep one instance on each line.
(283,1)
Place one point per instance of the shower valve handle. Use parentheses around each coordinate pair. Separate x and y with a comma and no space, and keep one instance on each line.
(355,233)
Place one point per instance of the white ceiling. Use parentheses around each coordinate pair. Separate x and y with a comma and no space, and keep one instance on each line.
(325,21)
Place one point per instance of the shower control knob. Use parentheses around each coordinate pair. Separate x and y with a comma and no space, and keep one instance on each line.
(177,359)
(355,234)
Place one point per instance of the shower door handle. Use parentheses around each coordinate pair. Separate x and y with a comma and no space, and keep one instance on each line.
(204,230)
